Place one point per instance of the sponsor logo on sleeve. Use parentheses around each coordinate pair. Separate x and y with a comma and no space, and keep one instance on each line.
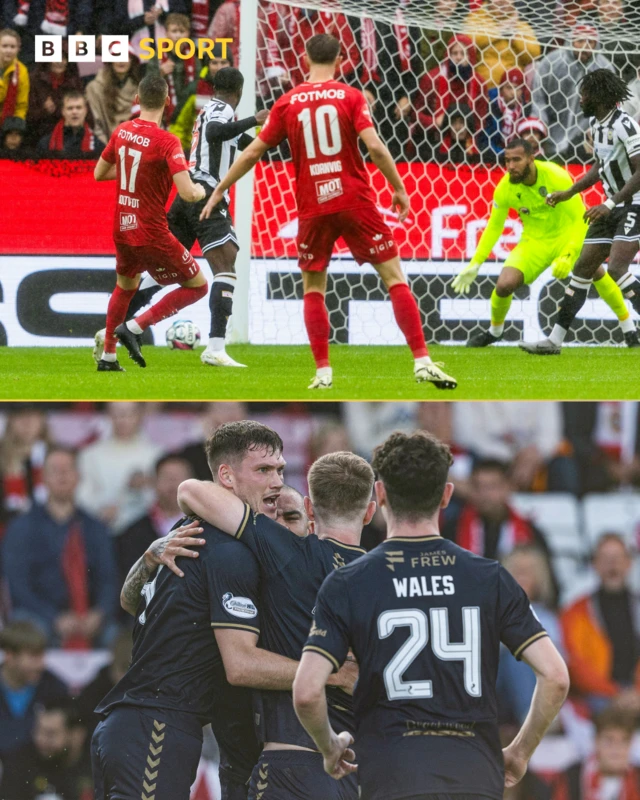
(316,631)
(240,607)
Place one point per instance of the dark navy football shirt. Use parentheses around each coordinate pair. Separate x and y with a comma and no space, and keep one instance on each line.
(424,619)
(292,569)
(176,667)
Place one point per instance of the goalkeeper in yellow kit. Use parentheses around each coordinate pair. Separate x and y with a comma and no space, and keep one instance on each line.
(549,239)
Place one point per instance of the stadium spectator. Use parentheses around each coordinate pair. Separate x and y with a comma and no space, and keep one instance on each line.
(602,634)
(529,565)
(141,19)
(45,767)
(632,106)
(72,137)
(458,145)
(301,24)
(59,563)
(332,437)
(111,94)
(211,417)
(609,772)
(390,65)
(22,452)
(116,472)
(181,74)
(509,105)
(503,39)
(488,525)
(534,131)
(455,80)
(434,42)
(556,92)
(528,436)
(14,78)
(35,17)
(605,439)
(170,471)
(101,685)
(369,424)
(25,684)
(49,83)
(185,120)
(12,134)
(618,45)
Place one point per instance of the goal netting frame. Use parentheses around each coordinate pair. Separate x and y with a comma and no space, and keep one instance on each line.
(450,206)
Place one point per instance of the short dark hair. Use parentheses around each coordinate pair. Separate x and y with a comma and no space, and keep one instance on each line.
(490,465)
(519,142)
(323,48)
(152,91)
(73,94)
(168,458)
(23,636)
(233,440)
(610,536)
(228,80)
(340,486)
(617,718)
(59,448)
(414,469)
(217,52)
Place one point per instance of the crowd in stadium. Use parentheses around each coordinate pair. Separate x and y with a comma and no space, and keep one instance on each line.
(455,97)
(85,489)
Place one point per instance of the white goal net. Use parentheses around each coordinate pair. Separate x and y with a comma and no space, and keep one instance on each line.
(449,82)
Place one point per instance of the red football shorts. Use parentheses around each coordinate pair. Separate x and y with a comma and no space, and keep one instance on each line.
(167,261)
(364,231)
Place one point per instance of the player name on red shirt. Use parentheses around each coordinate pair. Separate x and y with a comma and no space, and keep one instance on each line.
(146,159)
(322,122)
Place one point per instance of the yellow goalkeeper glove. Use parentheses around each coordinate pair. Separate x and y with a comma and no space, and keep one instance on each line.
(561,267)
(463,280)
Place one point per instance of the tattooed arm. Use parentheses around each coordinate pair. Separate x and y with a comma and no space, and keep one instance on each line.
(162,551)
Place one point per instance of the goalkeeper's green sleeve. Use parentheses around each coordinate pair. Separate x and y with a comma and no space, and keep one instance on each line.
(492,232)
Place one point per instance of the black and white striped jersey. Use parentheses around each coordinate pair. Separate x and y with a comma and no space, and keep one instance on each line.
(210,161)
(616,139)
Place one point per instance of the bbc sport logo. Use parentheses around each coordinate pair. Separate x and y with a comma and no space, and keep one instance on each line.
(116,48)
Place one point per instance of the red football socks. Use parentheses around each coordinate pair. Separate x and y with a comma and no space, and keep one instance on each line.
(407,314)
(116,312)
(316,320)
(171,304)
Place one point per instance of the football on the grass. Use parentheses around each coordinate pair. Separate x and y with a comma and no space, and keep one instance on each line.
(183,335)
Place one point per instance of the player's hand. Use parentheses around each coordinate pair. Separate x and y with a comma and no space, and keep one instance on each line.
(400,203)
(515,766)
(596,212)
(339,760)
(261,116)
(212,202)
(561,267)
(347,676)
(463,280)
(165,551)
(554,198)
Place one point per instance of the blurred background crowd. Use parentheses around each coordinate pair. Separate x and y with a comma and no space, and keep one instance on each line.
(550,489)
(477,74)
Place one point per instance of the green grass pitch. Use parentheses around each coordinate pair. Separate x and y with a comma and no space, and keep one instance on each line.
(359,373)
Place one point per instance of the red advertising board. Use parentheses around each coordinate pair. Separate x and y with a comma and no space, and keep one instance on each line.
(55,207)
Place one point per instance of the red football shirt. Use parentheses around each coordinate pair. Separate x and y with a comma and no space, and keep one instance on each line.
(146,159)
(322,122)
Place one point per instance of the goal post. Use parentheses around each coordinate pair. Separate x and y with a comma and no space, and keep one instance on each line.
(397,52)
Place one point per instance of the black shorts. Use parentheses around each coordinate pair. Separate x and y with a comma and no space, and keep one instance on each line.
(230,787)
(185,224)
(137,757)
(622,224)
(297,775)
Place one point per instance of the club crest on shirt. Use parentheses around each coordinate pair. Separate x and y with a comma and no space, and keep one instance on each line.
(240,607)
(524,211)
(543,191)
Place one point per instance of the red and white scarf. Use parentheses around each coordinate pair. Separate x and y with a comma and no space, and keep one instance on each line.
(369,44)
(199,18)
(470,533)
(11,97)
(56,16)
(510,116)
(189,75)
(57,138)
(76,575)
